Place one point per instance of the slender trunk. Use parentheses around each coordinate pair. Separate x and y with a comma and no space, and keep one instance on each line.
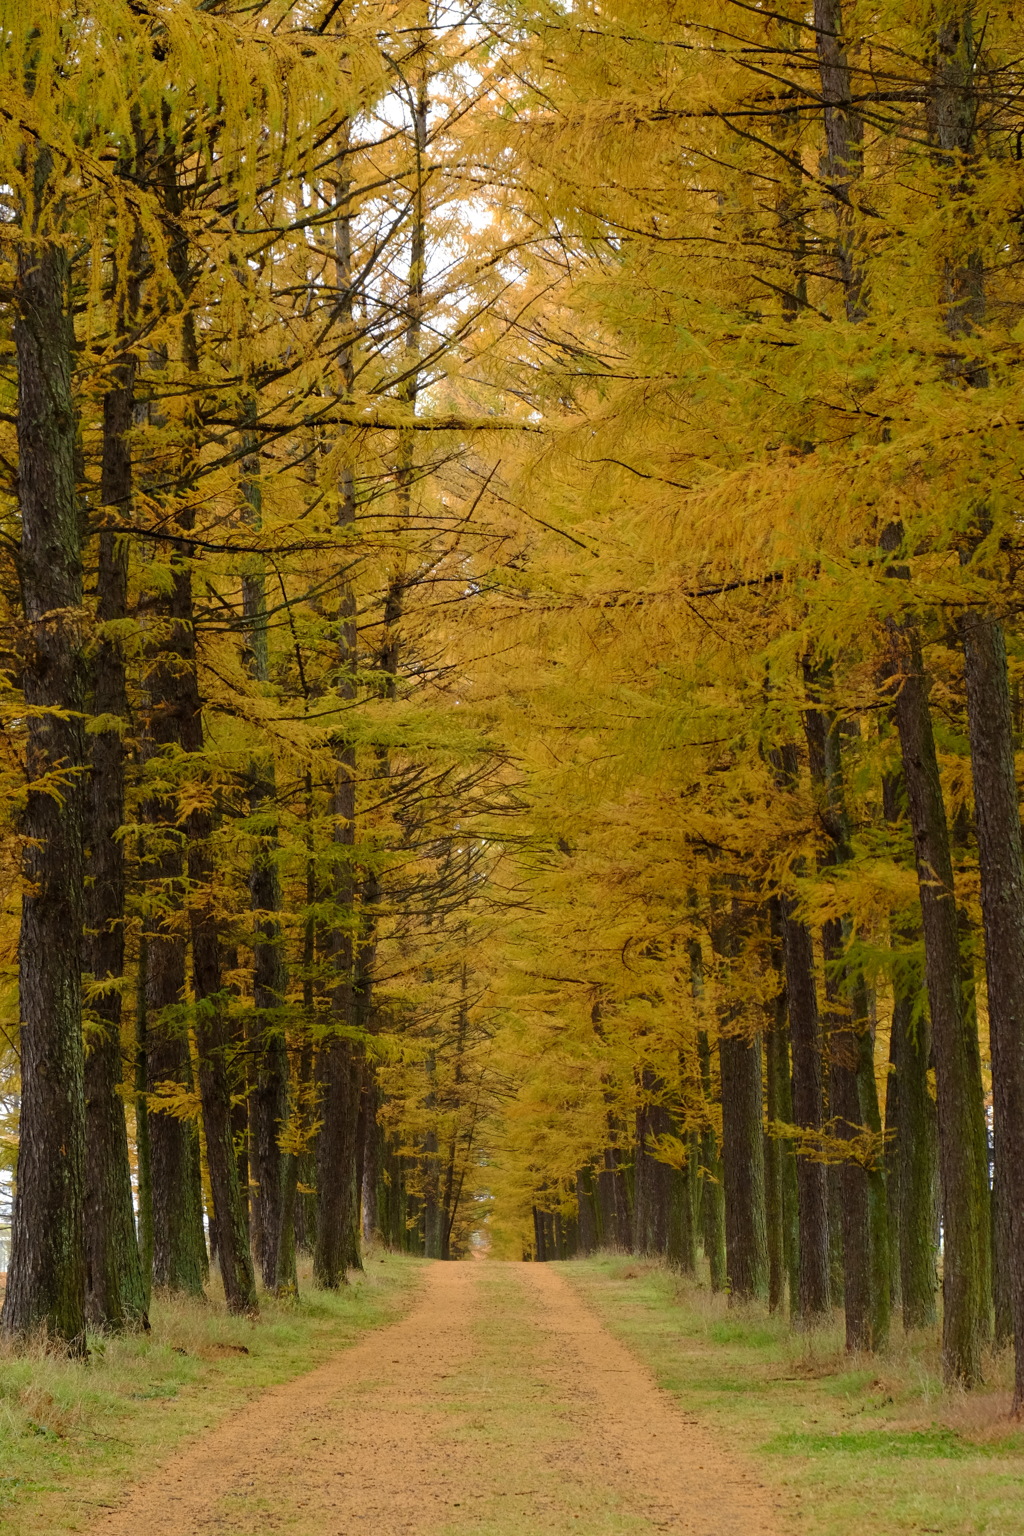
(174,726)
(652,1179)
(372,1152)
(268,1100)
(880,1232)
(336,1248)
(46,1275)
(213,1043)
(586,1220)
(180,1260)
(268,1097)
(746,1242)
(712,1181)
(179,1250)
(813,1300)
(844,135)
(963,1142)
(240,1102)
(142,1142)
(1001,861)
(337,1242)
(309,1086)
(910,1117)
(213,1047)
(844,1051)
(853,1097)
(681,1246)
(614,1203)
(777,1153)
(433,1214)
(915,1159)
(115,1291)
(893,1169)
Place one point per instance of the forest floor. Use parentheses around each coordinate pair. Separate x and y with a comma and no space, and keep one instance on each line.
(851,1445)
(600,1398)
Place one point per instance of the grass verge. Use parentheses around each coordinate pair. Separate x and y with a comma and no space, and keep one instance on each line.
(853,1444)
(73,1435)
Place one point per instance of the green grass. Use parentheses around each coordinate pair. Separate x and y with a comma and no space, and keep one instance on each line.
(852,1445)
(72,1434)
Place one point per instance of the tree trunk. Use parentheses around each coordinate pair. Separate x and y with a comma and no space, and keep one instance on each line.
(879,1230)
(372,1151)
(1001,861)
(179,1249)
(652,1179)
(963,1143)
(539,1250)
(213,1042)
(844,134)
(746,1242)
(712,1201)
(615,1221)
(337,1240)
(911,1117)
(433,1210)
(46,1276)
(586,1223)
(115,1290)
(681,1245)
(268,1098)
(142,1143)
(779,1167)
(813,1299)
(853,1096)
(866,1309)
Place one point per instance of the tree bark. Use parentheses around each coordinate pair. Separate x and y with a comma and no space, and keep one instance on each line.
(115,1289)
(213,1045)
(779,1165)
(746,1242)
(739,1055)
(341,1059)
(681,1245)
(586,1222)
(1001,861)
(813,1298)
(844,134)
(914,1157)
(615,1219)
(179,1247)
(46,1276)
(910,1117)
(268,1098)
(652,1179)
(712,1201)
(963,1142)
(373,1147)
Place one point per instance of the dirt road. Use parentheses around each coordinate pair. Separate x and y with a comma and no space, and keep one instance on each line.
(498,1405)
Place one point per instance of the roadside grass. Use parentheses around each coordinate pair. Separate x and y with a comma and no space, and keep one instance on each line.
(73,1435)
(852,1444)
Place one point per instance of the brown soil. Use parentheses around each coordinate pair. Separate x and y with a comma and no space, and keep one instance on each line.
(499,1404)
